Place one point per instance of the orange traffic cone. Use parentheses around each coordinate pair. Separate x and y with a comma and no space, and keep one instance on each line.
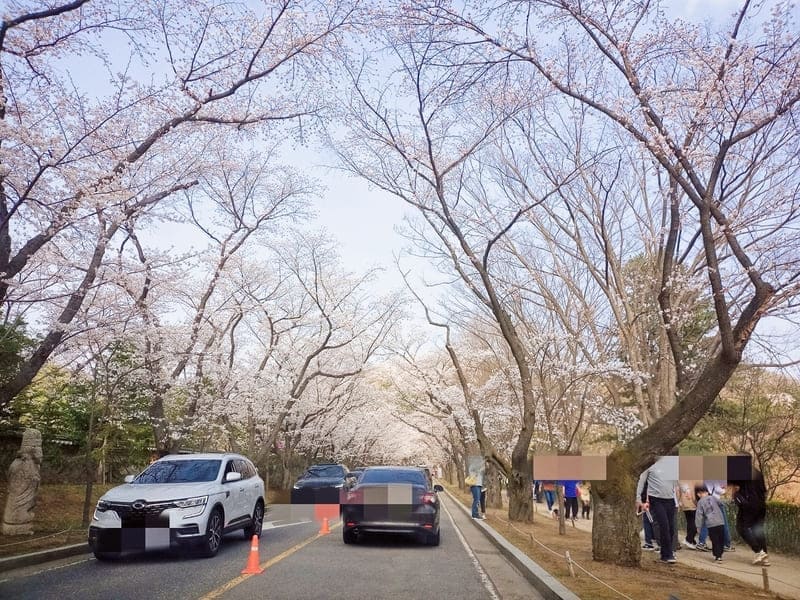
(252,567)
(325,529)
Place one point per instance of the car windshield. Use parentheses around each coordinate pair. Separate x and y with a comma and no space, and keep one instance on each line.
(180,471)
(325,471)
(392,476)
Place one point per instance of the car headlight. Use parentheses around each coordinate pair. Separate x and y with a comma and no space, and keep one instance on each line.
(102,506)
(190,502)
(296,486)
(192,506)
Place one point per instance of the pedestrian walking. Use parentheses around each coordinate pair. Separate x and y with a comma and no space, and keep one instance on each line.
(474,480)
(584,490)
(718,489)
(661,501)
(549,489)
(570,498)
(538,493)
(708,514)
(687,502)
(750,499)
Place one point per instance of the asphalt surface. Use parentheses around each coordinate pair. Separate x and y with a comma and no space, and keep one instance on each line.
(299,563)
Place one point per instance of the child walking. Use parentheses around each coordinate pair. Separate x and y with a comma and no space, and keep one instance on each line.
(709,514)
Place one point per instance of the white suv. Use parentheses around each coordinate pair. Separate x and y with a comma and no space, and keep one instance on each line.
(180,500)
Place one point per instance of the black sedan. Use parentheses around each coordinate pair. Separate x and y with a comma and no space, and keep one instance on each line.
(392,500)
(320,484)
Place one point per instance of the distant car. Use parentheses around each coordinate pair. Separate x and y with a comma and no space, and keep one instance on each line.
(186,500)
(320,484)
(392,500)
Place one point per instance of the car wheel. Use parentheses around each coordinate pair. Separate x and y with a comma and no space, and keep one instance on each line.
(213,537)
(257,521)
(433,539)
(349,536)
(106,556)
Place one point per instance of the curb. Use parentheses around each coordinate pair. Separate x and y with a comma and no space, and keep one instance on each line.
(547,585)
(35,558)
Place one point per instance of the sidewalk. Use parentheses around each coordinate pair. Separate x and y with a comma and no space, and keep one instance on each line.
(508,582)
(784,572)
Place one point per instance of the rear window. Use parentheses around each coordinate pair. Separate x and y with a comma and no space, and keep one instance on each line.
(180,471)
(392,476)
(326,471)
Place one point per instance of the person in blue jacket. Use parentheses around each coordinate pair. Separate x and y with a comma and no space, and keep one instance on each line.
(571,494)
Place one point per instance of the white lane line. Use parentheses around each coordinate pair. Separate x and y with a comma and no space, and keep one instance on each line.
(266,525)
(269,524)
(77,562)
(487,583)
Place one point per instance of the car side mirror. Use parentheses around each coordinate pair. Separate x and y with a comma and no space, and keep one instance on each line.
(129,478)
(438,488)
(232,476)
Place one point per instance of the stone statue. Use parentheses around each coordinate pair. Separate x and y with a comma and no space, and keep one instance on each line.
(23,485)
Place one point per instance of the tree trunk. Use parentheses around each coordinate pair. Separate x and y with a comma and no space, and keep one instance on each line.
(615,527)
(448,472)
(494,497)
(89,473)
(87,496)
(520,496)
(562,510)
(459,468)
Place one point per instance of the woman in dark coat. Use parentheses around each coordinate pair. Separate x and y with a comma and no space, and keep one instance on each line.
(750,498)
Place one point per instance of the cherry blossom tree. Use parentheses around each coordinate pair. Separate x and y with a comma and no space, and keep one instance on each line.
(713,113)
(107,111)
(415,136)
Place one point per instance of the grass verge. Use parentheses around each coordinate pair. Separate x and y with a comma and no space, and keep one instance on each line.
(652,580)
(57,520)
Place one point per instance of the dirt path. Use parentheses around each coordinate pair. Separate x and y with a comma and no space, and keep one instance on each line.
(783,573)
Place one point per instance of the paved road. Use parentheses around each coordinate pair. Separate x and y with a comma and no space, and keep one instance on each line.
(299,564)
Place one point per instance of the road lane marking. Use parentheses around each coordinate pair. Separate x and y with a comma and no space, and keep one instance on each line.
(266,565)
(487,583)
(39,572)
(269,524)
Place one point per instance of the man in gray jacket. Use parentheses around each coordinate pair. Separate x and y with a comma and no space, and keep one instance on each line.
(662,481)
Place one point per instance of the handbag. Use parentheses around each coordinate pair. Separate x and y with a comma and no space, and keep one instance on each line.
(471,480)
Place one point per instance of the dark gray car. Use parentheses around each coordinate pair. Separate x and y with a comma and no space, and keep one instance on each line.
(396,500)
(320,484)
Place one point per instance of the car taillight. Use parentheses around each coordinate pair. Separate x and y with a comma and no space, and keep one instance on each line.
(429,498)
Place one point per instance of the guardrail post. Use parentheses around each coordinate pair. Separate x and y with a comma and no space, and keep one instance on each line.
(569,563)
